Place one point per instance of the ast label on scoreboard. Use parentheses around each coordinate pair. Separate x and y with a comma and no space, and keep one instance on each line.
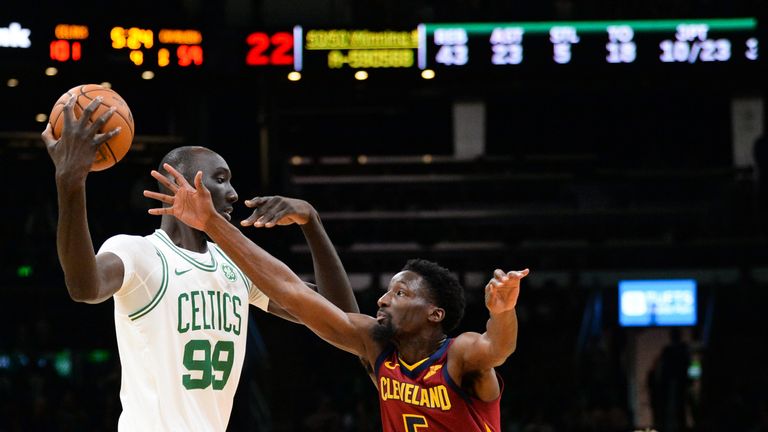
(587,43)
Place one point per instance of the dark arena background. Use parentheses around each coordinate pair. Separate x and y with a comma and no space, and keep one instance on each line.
(614,148)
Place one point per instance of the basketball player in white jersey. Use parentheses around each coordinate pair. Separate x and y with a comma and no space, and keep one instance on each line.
(181,305)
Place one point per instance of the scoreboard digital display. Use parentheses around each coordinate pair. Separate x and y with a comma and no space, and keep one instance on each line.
(318,49)
(361,49)
(180,47)
(67,45)
(496,45)
(472,47)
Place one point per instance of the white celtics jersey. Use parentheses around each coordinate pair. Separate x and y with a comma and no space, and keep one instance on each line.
(181,320)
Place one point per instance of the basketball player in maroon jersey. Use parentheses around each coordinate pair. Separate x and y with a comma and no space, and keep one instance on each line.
(426,381)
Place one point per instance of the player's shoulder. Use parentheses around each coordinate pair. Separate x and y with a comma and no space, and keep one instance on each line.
(464,341)
(126,240)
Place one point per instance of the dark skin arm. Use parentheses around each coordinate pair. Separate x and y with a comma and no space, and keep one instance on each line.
(89,278)
(331,278)
(351,332)
(473,356)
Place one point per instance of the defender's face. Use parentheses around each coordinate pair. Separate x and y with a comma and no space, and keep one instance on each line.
(217,177)
(406,305)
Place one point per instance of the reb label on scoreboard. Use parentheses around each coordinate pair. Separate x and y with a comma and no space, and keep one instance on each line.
(587,43)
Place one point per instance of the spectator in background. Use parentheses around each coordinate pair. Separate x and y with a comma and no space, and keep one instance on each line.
(669,385)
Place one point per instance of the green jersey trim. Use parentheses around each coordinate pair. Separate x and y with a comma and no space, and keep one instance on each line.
(240,272)
(160,293)
(202,266)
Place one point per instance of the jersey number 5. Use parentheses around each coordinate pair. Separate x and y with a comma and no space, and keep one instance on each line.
(414,423)
(198,358)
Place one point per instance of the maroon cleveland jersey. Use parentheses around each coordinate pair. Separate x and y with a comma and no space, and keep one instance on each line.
(424,398)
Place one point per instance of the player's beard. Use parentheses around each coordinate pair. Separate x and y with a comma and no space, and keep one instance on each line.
(384,332)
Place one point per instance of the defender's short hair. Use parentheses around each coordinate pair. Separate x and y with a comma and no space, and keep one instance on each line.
(445,289)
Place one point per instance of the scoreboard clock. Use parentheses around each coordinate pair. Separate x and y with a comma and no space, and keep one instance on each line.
(160,48)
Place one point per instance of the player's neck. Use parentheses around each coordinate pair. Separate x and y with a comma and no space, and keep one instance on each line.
(414,349)
(183,236)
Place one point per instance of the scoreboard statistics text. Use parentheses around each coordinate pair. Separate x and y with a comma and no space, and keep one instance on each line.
(436,46)
(478,45)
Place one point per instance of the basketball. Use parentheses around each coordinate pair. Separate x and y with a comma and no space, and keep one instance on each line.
(110,152)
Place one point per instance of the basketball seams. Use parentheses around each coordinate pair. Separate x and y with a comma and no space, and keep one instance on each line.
(125,120)
(87,91)
(114,159)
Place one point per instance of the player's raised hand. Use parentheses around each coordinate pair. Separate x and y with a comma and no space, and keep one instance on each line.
(503,289)
(73,153)
(191,205)
(277,210)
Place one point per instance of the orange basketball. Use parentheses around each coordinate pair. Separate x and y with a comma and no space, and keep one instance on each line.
(110,152)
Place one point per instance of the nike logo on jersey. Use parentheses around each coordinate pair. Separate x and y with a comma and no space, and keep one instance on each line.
(181,272)
(390,365)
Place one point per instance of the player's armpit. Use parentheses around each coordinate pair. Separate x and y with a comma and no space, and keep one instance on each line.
(470,365)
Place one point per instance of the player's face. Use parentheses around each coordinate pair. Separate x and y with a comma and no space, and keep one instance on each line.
(217,177)
(406,306)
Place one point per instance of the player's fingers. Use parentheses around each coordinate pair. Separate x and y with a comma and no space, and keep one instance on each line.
(199,182)
(85,117)
(48,138)
(277,217)
(249,221)
(279,211)
(69,114)
(269,219)
(102,138)
(490,291)
(94,129)
(256,201)
(161,211)
(265,213)
(159,196)
(180,180)
(163,180)
(519,274)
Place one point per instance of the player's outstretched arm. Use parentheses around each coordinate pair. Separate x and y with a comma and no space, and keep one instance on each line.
(331,278)
(491,349)
(88,278)
(193,206)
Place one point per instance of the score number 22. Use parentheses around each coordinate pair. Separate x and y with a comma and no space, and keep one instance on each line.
(266,50)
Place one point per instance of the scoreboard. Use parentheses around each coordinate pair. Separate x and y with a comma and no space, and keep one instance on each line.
(82,44)
(510,45)
(428,46)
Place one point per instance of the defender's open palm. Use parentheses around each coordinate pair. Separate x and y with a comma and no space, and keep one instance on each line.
(191,205)
(502,291)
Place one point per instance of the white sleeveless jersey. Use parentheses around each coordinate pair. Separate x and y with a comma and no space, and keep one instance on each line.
(181,320)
